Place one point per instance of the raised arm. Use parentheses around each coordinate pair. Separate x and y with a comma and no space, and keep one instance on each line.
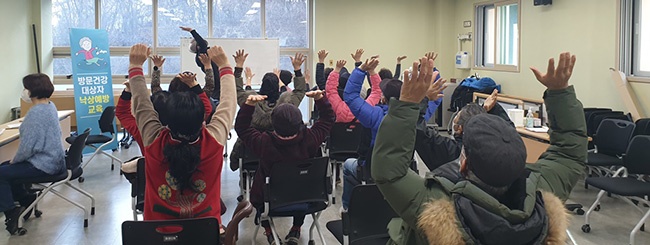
(252,138)
(320,70)
(375,90)
(200,42)
(321,128)
(224,115)
(564,161)
(208,88)
(145,116)
(300,86)
(242,94)
(398,67)
(365,113)
(123,112)
(158,62)
(394,147)
(342,111)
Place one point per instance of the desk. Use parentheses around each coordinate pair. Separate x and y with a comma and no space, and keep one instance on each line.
(10,139)
(536,143)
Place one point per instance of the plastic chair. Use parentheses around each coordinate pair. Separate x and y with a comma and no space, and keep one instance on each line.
(297,183)
(248,164)
(73,161)
(366,219)
(342,144)
(106,126)
(611,140)
(626,183)
(642,127)
(181,231)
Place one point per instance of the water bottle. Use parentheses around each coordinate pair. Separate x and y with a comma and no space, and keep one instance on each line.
(530,120)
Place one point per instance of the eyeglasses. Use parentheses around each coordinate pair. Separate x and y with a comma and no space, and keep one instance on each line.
(187,73)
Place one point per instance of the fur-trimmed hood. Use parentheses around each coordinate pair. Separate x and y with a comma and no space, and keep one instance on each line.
(440,225)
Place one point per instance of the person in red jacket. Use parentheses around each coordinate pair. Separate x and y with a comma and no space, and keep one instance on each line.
(185,158)
(290,141)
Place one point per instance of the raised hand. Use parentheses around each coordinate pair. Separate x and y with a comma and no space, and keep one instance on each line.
(249,76)
(253,99)
(297,61)
(370,66)
(417,83)
(185,28)
(322,54)
(357,55)
(339,65)
(158,60)
(435,90)
(218,56)
(374,56)
(307,75)
(491,100)
(400,58)
(128,86)
(316,94)
(205,60)
(431,56)
(557,78)
(138,54)
(188,79)
(240,57)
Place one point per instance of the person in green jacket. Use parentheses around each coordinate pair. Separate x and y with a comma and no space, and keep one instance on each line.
(494,197)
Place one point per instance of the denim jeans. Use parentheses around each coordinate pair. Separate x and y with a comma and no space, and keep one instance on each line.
(9,173)
(350,180)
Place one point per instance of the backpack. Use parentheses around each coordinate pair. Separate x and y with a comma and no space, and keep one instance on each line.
(464,93)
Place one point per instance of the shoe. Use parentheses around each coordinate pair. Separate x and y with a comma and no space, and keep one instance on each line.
(269,238)
(26,201)
(293,238)
(11,219)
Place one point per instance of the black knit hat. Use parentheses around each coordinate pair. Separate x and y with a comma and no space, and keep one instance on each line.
(286,77)
(270,87)
(495,152)
(391,88)
(286,119)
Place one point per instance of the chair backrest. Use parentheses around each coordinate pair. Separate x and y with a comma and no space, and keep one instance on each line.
(140,181)
(243,210)
(613,136)
(181,231)
(642,127)
(74,153)
(298,182)
(344,138)
(598,118)
(368,214)
(247,155)
(591,125)
(637,157)
(106,120)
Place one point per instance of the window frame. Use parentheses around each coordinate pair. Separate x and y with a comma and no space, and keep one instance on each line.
(628,60)
(64,52)
(479,30)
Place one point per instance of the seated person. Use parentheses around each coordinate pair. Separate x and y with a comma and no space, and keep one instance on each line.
(185,158)
(494,197)
(290,141)
(270,89)
(40,152)
(336,84)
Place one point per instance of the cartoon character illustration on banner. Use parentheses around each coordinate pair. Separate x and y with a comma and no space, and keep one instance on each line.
(90,59)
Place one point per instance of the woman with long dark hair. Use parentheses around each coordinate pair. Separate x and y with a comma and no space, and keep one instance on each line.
(184,159)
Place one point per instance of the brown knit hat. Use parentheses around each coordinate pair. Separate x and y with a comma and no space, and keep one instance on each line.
(286,119)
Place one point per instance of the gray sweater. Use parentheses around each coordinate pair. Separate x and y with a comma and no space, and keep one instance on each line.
(40,140)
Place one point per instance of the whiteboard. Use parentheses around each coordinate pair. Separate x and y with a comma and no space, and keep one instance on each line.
(263,55)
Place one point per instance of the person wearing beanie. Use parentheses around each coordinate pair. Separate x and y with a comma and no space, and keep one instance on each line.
(285,79)
(289,142)
(200,46)
(494,197)
(336,82)
(270,89)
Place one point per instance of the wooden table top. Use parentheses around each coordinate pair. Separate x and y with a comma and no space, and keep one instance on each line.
(13,134)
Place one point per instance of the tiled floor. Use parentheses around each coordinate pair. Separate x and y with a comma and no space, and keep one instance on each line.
(62,223)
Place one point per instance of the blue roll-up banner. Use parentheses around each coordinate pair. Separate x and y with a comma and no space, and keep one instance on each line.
(91,73)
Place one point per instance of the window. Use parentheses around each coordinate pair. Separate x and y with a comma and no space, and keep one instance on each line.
(173,14)
(287,20)
(497,35)
(635,38)
(237,19)
(156,22)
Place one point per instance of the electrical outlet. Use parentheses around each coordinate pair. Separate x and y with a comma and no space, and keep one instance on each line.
(331,62)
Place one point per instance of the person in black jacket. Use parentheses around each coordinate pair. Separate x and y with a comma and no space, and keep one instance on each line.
(200,46)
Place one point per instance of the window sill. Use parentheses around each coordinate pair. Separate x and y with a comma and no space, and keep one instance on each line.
(501,68)
(635,79)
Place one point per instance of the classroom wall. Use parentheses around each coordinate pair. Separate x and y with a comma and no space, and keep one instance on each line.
(586,28)
(17,56)
(385,27)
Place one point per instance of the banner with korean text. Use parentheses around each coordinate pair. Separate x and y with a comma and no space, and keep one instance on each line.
(91,74)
